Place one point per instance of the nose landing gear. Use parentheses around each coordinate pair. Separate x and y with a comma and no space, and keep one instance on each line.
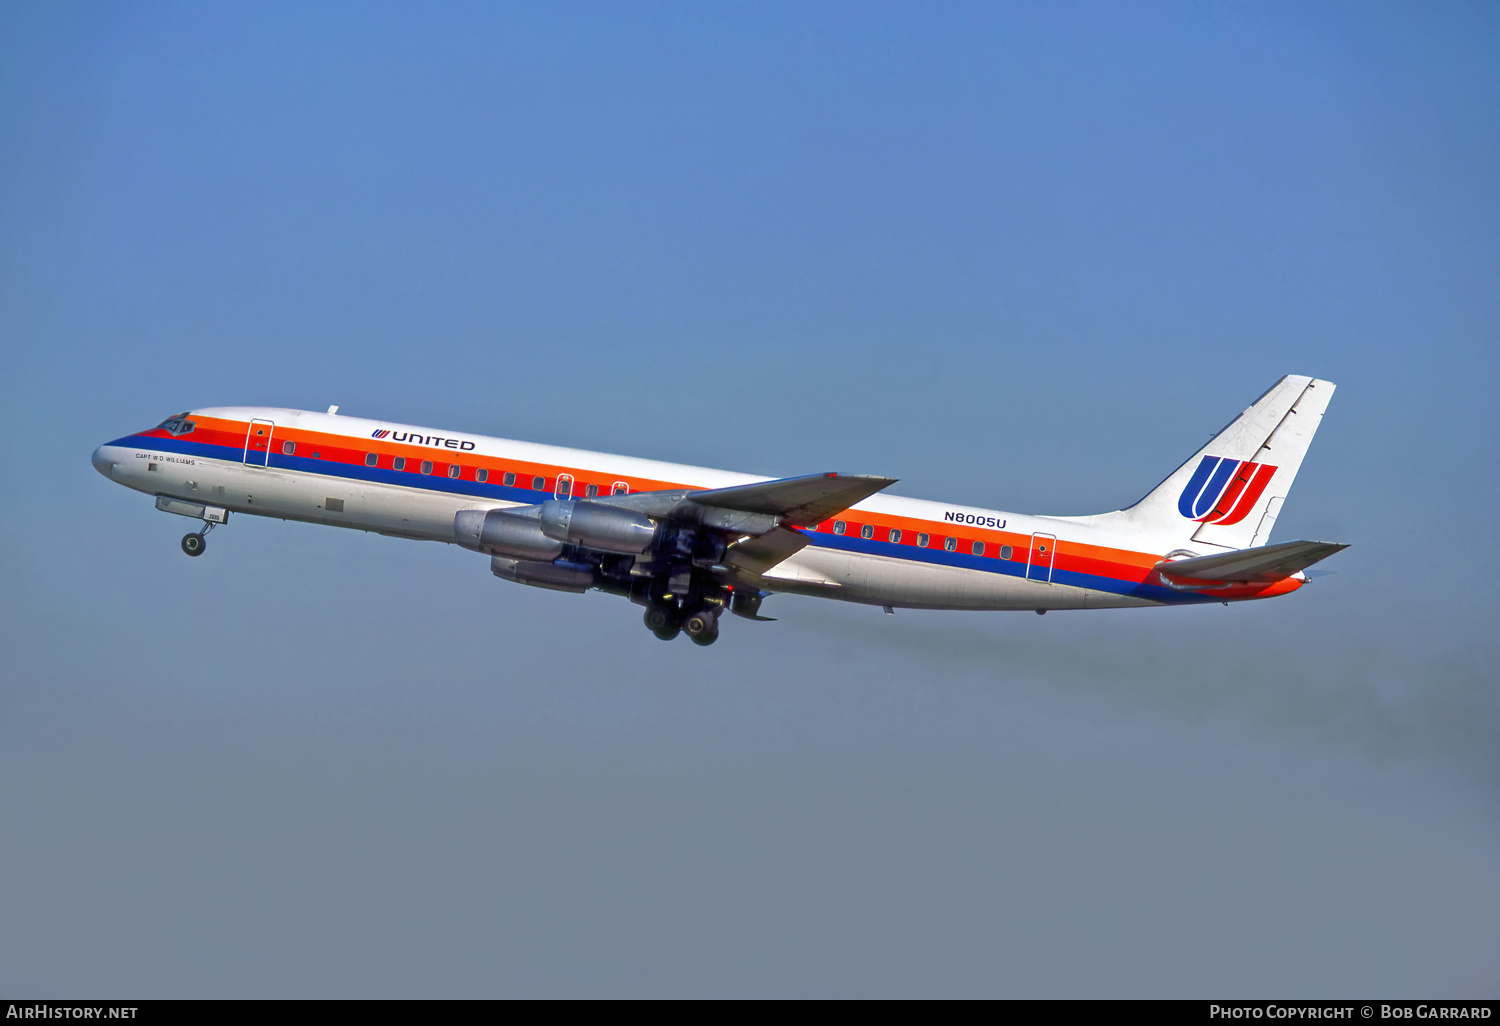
(194,544)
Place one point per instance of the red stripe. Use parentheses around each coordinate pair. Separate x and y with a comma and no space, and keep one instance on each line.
(336,449)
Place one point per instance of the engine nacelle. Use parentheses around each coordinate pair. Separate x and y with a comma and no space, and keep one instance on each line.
(498,532)
(557,576)
(597,526)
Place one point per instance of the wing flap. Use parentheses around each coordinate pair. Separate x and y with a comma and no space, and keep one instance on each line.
(1262,563)
(763,551)
(799,501)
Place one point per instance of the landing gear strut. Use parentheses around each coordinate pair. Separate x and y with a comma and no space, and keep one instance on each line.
(194,544)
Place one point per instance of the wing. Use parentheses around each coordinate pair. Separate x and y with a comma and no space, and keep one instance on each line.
(1262,563)
(760,518)
(797,501)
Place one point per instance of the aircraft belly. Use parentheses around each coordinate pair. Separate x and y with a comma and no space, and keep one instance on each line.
(881,580)
(290,495)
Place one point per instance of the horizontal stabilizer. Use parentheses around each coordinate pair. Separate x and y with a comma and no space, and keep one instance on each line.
(800,501)
(1263,563)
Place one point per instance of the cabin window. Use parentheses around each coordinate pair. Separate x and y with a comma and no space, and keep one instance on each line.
(894,536)
(619,488)
(371,459)
(481,475)
(538,483)
(1006,552)
(979,548)
(426,466)
(287,448)
(399,463)
(508,479)
(949,544)
(922,541)
(591,490)
(564,486)
(838,527)
(454,470)
(867,532)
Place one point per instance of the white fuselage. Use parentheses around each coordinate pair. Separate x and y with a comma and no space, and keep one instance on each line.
(341,471)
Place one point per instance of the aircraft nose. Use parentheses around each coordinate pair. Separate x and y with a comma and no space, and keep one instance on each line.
(101,460)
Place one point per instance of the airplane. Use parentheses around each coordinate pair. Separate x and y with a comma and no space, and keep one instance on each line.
(691,543)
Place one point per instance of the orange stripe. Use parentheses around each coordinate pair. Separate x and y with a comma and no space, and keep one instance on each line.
(1079,557)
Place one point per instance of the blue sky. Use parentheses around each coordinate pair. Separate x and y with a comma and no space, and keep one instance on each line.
(1024,256)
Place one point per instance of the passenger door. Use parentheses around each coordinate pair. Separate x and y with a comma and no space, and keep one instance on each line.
(1039,560)
(258,443)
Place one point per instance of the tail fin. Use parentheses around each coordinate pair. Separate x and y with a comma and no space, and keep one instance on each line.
(1230,492)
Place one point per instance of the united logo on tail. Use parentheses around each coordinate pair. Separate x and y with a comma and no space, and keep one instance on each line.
(1224,490)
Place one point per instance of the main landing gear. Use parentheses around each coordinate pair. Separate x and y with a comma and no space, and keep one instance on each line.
(662,621)
(701,627)
(685,603)
(682,595)
(194,544)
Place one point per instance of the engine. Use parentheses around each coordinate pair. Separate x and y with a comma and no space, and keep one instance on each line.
(502,533)
(593,525)
(557,576)
(667,565)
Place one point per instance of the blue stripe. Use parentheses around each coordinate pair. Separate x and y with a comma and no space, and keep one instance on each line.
(845,543)
(1009,568)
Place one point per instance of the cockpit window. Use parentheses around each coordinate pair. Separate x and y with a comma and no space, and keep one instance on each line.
(178,425)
